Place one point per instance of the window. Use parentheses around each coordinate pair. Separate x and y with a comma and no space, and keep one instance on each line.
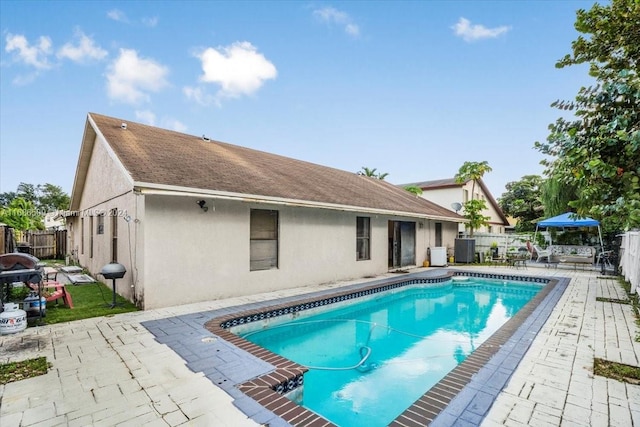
(82,236)
(263,239)
(114,235)
(363,238)
(438,234)
(465,195)
(100,227)
(90,237)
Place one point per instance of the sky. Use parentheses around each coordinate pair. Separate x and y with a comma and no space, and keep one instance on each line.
(412,89)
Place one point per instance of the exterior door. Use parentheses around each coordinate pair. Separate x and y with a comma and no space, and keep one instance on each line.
(402,243)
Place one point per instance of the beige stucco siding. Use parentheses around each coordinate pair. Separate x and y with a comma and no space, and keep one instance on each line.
(106,188)
(445,197)
(192,255)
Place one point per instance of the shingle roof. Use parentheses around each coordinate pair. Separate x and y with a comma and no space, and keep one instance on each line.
(436,183)
(158,156)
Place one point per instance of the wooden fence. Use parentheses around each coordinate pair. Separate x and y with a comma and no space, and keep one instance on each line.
(41,244)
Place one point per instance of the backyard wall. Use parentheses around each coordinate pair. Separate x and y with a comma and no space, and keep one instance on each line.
(192,255)
(106,189)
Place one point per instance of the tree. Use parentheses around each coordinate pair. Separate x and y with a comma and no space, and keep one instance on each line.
(26,207)
(6,198)
(47,197)
(598,151)
(522,201)
(414,189)
(27,192)
(473,208)
(372,173)
(614,39)
(555,196)
(21,214)
(52,197)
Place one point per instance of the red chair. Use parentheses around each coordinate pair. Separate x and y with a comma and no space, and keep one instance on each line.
(55,291)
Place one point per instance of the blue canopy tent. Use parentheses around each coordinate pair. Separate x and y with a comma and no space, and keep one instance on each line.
(570,219)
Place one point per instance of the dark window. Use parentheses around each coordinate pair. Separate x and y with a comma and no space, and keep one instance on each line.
(114,235)
(438,234)
(263,239)
(100,227)
(82,236)
(363,238)
(90,237)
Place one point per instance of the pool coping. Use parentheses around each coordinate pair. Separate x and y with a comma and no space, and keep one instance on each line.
(258,379)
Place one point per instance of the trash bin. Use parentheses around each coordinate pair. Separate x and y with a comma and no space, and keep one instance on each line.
(23,247)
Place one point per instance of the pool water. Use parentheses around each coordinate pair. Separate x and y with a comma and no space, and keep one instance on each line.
(371,360)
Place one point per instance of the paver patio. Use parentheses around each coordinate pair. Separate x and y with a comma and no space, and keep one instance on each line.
(111,371)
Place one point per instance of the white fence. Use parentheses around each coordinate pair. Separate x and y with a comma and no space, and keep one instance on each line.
(504,242)
(630,259)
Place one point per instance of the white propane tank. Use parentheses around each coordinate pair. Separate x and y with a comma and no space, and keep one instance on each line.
(32,305)
(12,319)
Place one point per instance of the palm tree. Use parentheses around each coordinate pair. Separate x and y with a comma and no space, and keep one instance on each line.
(371,173)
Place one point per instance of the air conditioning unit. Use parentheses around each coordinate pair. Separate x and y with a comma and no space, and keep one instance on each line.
(465,250)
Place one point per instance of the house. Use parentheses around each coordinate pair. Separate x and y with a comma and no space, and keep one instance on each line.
(54,220)
(447,192)
(193,219)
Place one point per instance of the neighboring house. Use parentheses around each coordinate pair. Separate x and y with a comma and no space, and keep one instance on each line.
(54,220)
(446,192)
(193,219)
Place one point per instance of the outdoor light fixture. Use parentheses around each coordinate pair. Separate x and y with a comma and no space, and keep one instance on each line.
(203,205)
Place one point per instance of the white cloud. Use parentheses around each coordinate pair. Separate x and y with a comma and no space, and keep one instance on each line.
(239,69)
(130,78)
(25,79)
(146,116)
(84,50)
(150,22)
(334,16)
(174,125)
(463,28)
(35,55)
(198,95)
(117,15)
(149,117)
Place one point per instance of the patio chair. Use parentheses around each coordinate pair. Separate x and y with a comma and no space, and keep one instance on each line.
(54,291)
(604,261)
(541,253)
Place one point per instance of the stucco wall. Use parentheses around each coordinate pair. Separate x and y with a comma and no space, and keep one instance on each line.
(106,188)
(446,196)
(192,255)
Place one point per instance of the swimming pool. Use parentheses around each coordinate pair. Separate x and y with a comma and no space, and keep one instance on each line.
(259,380)
(370,360)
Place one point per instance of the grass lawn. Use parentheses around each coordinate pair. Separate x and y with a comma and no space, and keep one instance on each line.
(89,300)
(16,371)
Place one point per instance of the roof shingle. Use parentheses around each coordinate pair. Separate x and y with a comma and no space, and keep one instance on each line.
(158,156)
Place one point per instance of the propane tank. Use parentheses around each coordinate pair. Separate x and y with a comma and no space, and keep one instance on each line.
(12,319)
(32,305)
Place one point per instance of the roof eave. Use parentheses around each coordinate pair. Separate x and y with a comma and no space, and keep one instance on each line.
(84,157)
(162,189)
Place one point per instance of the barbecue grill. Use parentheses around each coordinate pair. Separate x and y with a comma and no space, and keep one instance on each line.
(113,271)
(19,267)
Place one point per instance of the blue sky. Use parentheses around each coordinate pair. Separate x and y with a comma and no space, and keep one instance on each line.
(413,89)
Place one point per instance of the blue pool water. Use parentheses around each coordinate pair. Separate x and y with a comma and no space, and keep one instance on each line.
(371,360)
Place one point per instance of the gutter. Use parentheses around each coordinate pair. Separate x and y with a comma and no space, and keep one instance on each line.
(168,190)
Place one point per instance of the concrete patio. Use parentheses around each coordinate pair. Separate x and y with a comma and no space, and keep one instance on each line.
(111,371)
